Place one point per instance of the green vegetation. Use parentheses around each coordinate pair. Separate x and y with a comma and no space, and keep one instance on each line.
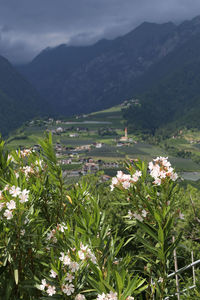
(170,105)
(182,148)
(81,241)
(19,100)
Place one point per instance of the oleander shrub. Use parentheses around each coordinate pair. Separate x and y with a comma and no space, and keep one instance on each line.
(59,241)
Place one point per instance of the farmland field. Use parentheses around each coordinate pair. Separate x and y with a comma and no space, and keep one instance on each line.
(106,127)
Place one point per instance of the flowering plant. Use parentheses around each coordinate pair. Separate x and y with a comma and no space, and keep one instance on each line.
(153,208)
(56,241)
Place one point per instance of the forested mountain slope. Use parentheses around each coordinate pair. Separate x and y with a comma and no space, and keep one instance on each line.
(158,63)
(19,101)
(78,79)
(173,97)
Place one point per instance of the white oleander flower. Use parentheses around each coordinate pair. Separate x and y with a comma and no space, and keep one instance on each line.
(74,266)
(11,205)
(51,290)
(125,180)
(138,217)
(102,297)
(160,169)
(8,214)
(112,296)
(80,297)
(53,274)
(81,254)
(68,289)
(15,191)
(69,277)
(65,259)
(24,196)
(2,204)
(43,285)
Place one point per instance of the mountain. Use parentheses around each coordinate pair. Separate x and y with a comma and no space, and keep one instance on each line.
(19,101)
(172,99)
(158,63)
(83,79)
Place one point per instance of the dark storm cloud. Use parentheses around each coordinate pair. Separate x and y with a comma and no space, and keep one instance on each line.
(28,26)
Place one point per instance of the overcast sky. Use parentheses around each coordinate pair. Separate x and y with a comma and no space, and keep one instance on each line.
(28,26)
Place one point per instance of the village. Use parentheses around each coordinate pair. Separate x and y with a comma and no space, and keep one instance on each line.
(100,143)
(78,157)
(76,160)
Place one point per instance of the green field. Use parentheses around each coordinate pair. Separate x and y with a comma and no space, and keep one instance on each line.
(88,129)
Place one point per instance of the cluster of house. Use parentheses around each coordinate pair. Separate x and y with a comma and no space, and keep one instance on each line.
(129,102)
(87,165)
(71,155)
(60,130)
(89,168)
(72,151)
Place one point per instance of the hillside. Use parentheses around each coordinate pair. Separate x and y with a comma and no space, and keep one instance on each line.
(173,101)
(99,138)
(158,63)
(85,79)
(19,101)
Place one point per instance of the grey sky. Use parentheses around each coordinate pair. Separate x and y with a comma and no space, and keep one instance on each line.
(28,26)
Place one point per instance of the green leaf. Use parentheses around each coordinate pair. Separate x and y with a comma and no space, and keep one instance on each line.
(161,236)
(119,283)
(98,286)
(149,230)
(16,276)
(151,248)
(171,248)
(157,217)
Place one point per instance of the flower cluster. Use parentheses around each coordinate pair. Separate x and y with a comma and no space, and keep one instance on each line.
(26,152)
(50,289)
(51,236)
(27,170)
(160,169)
(124,180)
(138,216)
(70,267)
(21,195)
(20,154)
(85,252)
(110,296)
(68,287)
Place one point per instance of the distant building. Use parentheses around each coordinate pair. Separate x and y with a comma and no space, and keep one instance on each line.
(58,147)
(83,147)
(59,130)
(66,161)
(98,145)
(90,168)
(125,137)
(105,178)
(73,135)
